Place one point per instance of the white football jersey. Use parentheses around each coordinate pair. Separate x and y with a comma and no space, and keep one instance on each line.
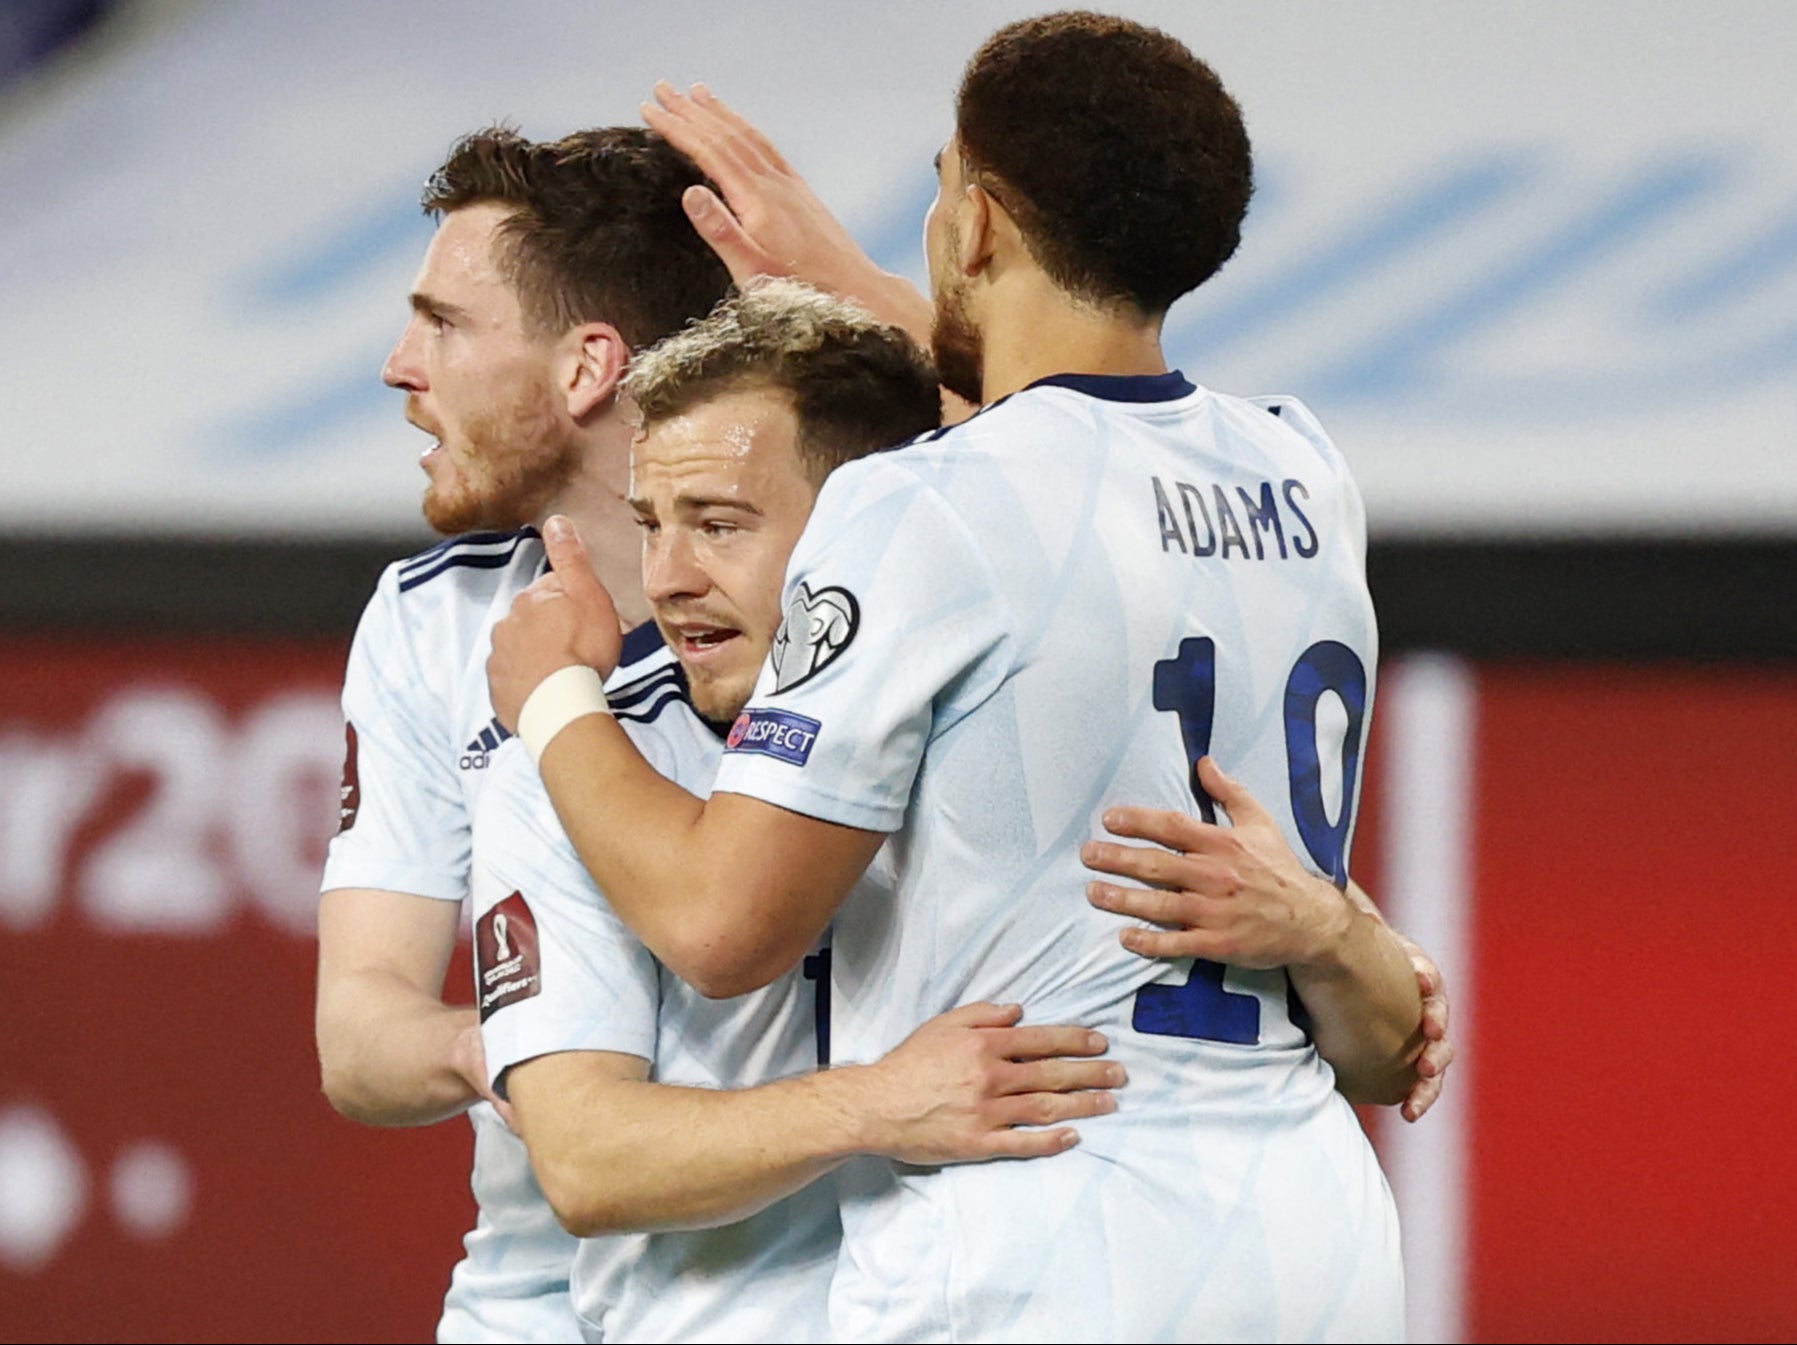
(421,739)
(558,971)
(992,635)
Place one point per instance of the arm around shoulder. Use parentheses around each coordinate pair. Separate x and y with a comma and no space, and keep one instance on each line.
(615,1153)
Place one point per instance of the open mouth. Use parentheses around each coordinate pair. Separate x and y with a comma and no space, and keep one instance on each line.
(417,420)
(702,642)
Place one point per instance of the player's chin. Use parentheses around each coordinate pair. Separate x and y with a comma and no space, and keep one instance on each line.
(720,695)
(452,507)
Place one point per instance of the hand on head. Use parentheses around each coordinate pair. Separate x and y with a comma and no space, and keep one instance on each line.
(769,222)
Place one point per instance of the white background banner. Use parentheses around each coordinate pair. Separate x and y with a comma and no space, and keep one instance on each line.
(1534,265)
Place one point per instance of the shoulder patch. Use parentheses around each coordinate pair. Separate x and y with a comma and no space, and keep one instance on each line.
(349,795)
(817,628)
(508,967)
(774,733)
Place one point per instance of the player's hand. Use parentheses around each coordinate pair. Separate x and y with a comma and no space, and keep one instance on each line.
(563,619)
(769,221)
(468,1054)
(1234,894)
(1438,1047)
(960,1088)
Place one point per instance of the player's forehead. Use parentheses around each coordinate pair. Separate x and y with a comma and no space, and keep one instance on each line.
(742,444)
(460,265)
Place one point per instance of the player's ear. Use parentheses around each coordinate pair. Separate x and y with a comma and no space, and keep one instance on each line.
(977,235)
(593,360)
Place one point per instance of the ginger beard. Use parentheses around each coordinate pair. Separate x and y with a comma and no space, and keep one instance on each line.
(501,467)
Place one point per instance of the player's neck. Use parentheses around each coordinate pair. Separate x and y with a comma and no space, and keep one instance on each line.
(594,499)
(1039,332)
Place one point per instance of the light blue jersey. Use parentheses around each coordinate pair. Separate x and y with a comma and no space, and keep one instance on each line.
(990,637)
(422,739)
(559,972)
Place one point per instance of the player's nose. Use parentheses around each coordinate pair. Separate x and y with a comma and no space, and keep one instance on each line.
(671,569)
(403,368)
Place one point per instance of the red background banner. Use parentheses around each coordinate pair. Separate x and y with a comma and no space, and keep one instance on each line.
(170,1169)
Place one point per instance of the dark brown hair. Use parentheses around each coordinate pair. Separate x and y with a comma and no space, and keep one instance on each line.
(596,232)
(1118,152)
(857,385)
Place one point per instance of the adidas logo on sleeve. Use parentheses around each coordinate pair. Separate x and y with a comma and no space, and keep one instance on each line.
(478,753)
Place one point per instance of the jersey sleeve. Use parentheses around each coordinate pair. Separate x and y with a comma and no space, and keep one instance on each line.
(894,627)
(404,822)
(554,969)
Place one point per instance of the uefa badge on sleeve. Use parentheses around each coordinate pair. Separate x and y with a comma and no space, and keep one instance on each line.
(816,630)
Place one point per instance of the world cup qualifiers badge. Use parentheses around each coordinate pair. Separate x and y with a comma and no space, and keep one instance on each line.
(817,628)
(349,795)
(507,967)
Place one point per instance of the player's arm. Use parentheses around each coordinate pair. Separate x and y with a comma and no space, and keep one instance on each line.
(614,1152)
(1431,1066)
(390,1051)
(715,889)
(1238,895)
(728,893)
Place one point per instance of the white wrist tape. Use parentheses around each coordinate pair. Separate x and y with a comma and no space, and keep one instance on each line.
(562,697)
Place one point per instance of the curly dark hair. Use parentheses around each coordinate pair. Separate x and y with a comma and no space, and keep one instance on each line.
(1118,152)
(596,232)
(857,385)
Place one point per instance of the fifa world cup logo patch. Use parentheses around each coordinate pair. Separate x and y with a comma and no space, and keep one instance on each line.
(817,628)
(507,967)
(349,797)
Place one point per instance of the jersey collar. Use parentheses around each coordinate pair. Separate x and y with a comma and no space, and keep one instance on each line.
(640,642)
(1167,387)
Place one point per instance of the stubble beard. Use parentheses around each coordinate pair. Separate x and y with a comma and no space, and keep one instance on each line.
(719,695)
(720,699)
(956,347)
(510,465)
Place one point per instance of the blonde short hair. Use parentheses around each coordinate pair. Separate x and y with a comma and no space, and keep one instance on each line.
(857,385)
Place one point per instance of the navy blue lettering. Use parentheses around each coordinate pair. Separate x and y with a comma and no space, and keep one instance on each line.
(1227,524)
(1163,508)
(1306,551)
(1326,666)
(1263,516)
(1187,685)
(1187,495)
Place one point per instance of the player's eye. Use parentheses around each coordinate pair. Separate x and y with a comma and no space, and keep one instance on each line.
(649,526)
(717,527)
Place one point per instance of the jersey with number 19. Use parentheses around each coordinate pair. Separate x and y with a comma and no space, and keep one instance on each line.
(990,637)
